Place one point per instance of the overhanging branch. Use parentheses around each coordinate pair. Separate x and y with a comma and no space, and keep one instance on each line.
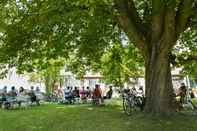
(183,14)
(193,18)
(129,20)
(134,15)
(188,58)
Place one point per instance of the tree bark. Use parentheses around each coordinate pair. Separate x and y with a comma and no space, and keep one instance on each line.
(159,89)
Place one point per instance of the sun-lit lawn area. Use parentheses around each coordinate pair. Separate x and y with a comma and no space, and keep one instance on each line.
(52,117)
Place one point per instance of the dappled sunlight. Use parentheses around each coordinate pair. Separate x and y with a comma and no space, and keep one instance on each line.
(61,107)
(90,109)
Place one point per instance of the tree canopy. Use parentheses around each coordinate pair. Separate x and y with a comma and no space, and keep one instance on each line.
(186,53)
(35,31)
(48,29)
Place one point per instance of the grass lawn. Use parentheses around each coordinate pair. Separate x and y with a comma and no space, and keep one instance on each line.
(52,117)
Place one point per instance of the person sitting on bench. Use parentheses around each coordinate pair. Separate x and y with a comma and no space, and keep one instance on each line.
(68,95)
(97,98)
(109,93)
(33,96)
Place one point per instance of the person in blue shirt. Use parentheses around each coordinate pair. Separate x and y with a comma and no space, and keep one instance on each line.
(68,94)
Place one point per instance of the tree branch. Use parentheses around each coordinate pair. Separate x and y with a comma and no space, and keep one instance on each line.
(192,22)
(187,58)
(130,22)
(134,15)
(182,15)
(158,13)
(168,39)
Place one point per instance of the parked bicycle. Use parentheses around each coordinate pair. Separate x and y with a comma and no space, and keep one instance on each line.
(132,101)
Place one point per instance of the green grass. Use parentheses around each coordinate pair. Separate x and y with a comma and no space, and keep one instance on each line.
(51,117)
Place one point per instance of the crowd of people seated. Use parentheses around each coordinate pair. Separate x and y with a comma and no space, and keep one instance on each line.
(14,96)
(69,95)
(76,94)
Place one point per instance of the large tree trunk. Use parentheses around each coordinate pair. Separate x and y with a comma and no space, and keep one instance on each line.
(155,39)
(159,89)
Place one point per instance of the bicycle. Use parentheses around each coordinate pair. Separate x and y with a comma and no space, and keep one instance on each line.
(132,103)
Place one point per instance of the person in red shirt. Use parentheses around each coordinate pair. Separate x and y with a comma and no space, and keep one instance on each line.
(97,98)
(83,95)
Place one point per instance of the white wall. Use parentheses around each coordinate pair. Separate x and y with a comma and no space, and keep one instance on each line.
(14,79)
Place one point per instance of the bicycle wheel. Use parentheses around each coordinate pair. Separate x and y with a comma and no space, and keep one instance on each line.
(128,106)
(194,106)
